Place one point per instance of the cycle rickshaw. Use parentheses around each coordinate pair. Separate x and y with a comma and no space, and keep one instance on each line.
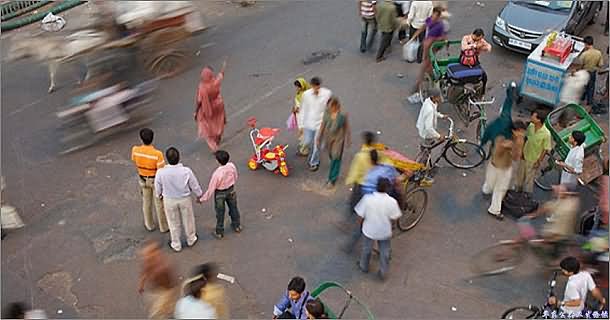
(561,122)
(322,292)
(460,85)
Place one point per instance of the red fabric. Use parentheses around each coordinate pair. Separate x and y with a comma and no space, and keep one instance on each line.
(211,108)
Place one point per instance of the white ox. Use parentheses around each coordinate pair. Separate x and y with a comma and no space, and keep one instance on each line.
(53,49)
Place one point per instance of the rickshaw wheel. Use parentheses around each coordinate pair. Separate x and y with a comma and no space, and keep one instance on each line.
(549,175)
(252,165)
(413,209)
(168,64)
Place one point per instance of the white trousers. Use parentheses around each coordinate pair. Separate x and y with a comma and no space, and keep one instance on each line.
(497,182)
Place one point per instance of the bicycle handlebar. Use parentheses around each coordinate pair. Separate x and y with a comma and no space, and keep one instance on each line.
(493,99)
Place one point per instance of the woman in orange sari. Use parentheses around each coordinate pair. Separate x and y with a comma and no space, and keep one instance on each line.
(210,107)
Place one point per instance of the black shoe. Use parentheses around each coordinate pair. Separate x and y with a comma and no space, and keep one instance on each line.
(217,235)
(381,276)
(314,168)
(238,229)
(498,216)
(362,50)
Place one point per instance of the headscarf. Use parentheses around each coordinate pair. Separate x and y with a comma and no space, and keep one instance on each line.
(304,86)
(503,124)
(209,89)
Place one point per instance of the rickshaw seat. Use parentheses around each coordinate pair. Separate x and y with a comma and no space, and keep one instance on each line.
(585,127)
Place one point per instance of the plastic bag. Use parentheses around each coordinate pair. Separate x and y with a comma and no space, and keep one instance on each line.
(53,23)
(291,123)
(409,50)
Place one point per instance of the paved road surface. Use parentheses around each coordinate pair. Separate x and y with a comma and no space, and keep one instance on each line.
(77,252)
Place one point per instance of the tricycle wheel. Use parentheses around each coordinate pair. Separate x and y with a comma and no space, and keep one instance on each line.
(284,170)
(252,165)
(413,209)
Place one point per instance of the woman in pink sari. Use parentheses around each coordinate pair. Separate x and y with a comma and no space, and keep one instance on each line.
(210,107)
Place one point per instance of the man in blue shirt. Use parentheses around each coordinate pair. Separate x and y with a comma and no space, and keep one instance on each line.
(294,299)
(380,170)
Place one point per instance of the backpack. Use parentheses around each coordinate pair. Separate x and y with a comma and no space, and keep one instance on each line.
(517,204)
(469,57)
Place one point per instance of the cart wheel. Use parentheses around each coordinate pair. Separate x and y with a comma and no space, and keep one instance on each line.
(252,165)
(168,64)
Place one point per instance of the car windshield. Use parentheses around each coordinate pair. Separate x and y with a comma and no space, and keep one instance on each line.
(560,6)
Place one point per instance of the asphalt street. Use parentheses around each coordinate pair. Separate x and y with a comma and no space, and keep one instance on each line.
(76,257)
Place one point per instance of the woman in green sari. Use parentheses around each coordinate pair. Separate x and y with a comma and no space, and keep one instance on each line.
(301,86)
(334,134)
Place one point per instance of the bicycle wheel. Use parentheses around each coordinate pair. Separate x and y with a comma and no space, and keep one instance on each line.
(464,155)
(413,209)
(530,312)
(548,177)
(499,258)
(481,126)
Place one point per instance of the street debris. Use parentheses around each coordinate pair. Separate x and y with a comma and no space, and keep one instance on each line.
(318,56)
(480,4)
(59,311)
(453,308)
(42,204)
(290,240)
(61,222)
(226,278)
(400,75)
(52,23)
(464,174)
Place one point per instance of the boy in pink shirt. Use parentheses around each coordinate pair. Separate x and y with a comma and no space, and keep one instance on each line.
(222,186)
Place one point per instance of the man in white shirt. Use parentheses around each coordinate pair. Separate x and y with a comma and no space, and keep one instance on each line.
(572,166)
(175,183)
(426,121)
(416,19)
(376,212)
(313,106)
(578,285)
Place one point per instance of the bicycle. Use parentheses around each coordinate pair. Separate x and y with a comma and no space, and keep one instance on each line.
(462,149)
(506,255)
(534,312)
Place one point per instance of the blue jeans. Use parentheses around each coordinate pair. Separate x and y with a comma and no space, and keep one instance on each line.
(590,88)
(384,254)
(309,141)
(367,24)
(229,197)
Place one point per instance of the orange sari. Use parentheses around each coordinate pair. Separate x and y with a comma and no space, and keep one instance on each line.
(210,112)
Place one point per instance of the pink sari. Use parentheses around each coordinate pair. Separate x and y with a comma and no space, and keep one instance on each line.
(210,113)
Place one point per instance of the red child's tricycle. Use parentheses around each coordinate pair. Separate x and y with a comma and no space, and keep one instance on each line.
(272,159)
